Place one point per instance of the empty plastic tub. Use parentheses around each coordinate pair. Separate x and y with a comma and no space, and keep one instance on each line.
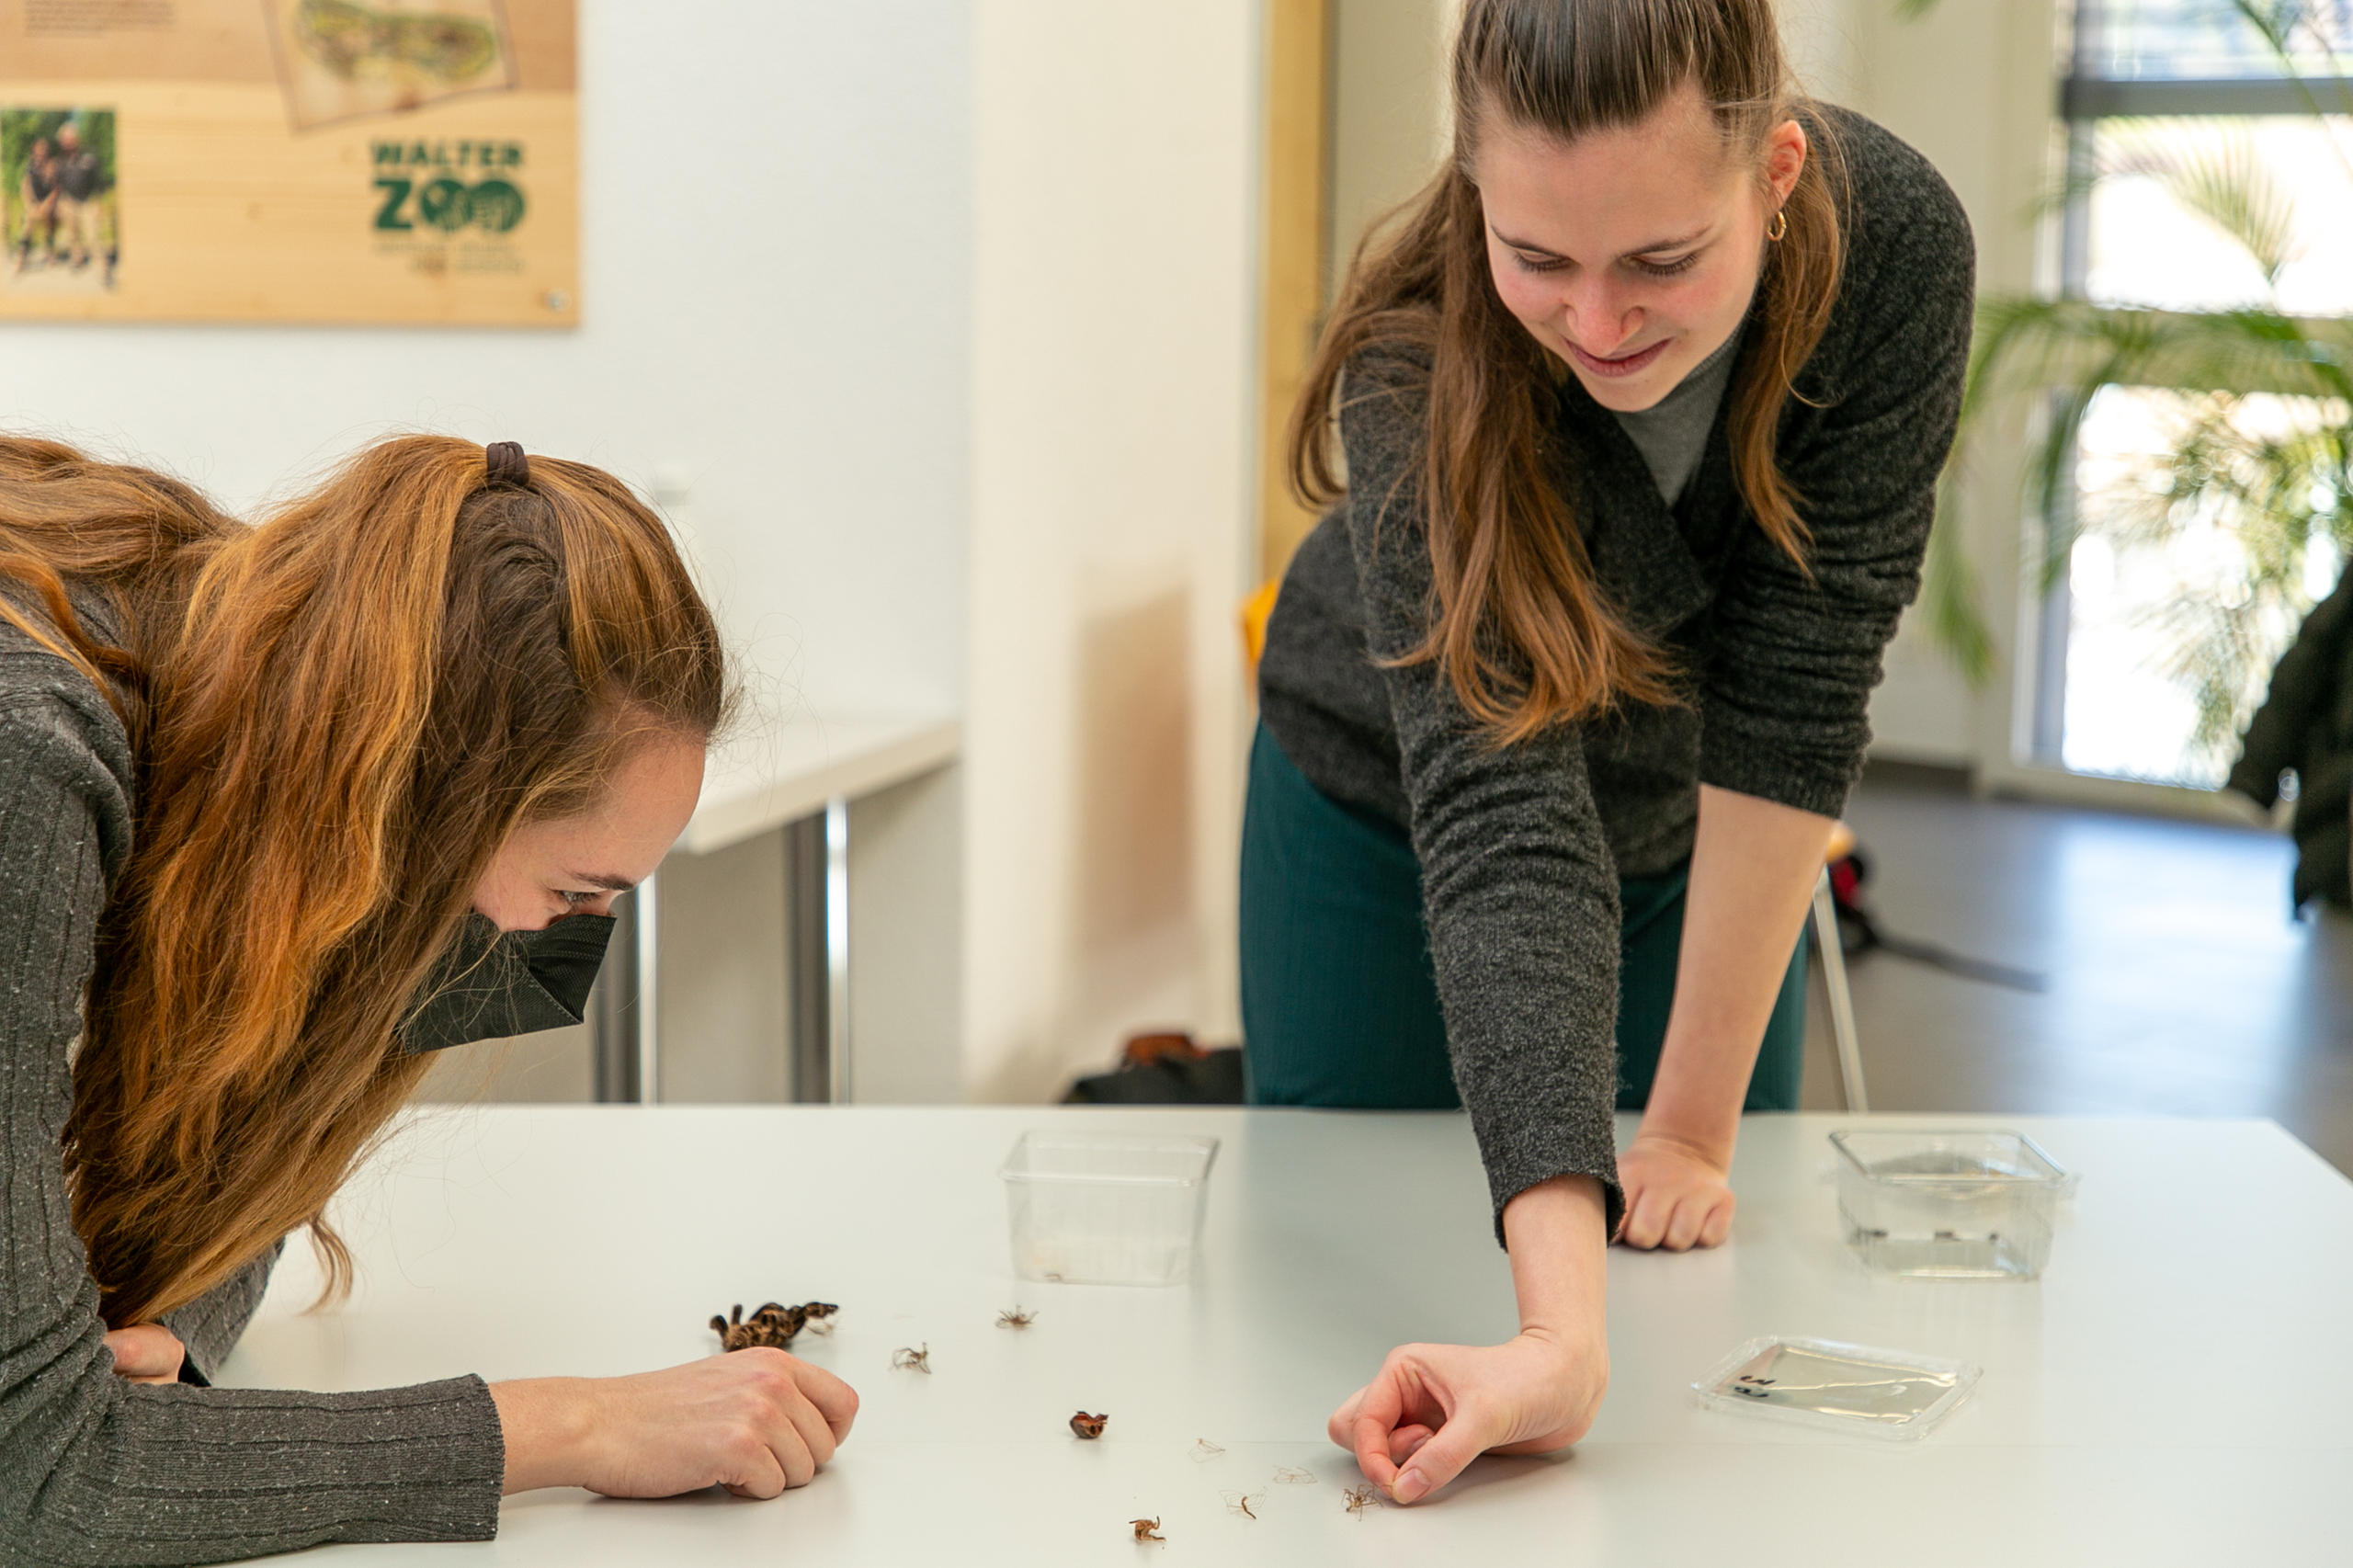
(1107,1207)
(1947,1205)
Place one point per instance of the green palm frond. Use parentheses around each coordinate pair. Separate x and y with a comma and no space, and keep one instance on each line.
(2223,180)
(2248,466)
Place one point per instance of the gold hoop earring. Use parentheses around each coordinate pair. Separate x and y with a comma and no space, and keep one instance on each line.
(1779,226)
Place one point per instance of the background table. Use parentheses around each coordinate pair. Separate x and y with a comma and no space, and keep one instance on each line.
(2171,1391)
(800,775)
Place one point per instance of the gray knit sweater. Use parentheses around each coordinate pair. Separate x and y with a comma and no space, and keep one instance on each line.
(1521,848)
(94,1469)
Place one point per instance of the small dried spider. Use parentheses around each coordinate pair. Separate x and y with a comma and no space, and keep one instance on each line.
(1290,1475)
(911,1358)
(1240,1502)
(1088,1425)
(1147,1529)
(1203,1451)
(1016,1317)
(1359,1498)
(774,1326)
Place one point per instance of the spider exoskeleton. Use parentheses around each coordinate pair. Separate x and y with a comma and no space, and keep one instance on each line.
(910,1358)
(1088,1425)
(1359,1498)
(774,1326)
(1147,1529)
(1016,1317)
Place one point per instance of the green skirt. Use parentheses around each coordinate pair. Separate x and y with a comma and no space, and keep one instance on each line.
(1339,998)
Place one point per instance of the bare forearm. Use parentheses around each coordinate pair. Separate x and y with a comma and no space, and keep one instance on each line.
(1559,1242)
(1753,870)
(544,1420)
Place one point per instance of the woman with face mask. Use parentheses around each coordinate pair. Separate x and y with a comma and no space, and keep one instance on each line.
(1641,403)
(282,808)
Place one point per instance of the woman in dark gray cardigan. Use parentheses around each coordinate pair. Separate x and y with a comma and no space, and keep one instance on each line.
(281,808)
(1643,402)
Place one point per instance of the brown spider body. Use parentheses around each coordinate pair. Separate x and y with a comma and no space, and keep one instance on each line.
(1088,1425)
(1016,1317)
(1359,1498)
(1147,1529)
(774,1326)
(908,1358)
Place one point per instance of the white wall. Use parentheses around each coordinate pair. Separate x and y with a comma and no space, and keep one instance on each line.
(1971,88)
(1113,375)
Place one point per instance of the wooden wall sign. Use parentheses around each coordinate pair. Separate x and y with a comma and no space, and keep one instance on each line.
(289,161)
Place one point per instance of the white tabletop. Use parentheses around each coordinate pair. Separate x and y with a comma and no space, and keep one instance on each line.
(2171,1391)
(772,774)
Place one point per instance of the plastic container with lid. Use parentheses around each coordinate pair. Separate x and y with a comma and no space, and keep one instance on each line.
(1948,1204)
(1107,1207)
(1852,1389)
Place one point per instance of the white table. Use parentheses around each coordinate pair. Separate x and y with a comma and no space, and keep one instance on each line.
(801,776)
(2171,1393)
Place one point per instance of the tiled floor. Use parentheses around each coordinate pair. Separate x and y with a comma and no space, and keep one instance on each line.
(2178,982)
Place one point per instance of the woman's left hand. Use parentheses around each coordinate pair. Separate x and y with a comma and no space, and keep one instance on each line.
(1677,1197)
(147,1353)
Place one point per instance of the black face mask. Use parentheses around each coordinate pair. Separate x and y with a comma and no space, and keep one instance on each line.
(491,983)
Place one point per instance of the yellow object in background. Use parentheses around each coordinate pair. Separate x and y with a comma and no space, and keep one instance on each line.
(1254,612)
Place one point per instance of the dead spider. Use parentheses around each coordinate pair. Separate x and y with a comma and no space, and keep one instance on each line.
(1146,1530)
(1240,1502)
(1292,1475)
(1359,1498)
(1088,1425)
(1203,1451)
(774,1326)
(1016,1317)
(911,1358)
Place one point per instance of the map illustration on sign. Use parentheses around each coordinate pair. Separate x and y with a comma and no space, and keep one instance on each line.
(340,60)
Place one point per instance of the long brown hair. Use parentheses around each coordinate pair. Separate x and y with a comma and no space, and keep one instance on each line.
(338,716)
(1525,635)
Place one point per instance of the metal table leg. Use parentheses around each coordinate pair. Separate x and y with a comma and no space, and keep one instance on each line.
(816,877)
(624,1009)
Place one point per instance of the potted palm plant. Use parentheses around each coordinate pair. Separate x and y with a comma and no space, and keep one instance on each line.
(2251,473)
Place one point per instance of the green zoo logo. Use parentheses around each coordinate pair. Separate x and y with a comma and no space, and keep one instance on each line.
(449,205)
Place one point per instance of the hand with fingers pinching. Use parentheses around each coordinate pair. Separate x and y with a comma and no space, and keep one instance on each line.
(1678,1197)
(1434,1408)
(147,1353)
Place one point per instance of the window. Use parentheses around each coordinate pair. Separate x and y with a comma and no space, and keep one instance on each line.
(2212,169)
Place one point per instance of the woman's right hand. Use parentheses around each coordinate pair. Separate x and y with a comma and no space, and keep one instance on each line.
(1434,1408)
(755,1421)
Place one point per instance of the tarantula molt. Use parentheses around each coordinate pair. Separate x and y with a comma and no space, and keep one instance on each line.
(1147,1529)
(910,1358)
(774,1326)
(1088,1425)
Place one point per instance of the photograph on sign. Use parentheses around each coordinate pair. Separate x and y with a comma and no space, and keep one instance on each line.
(64,224)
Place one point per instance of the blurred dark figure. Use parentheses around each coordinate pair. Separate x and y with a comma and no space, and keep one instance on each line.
(40,205)
(81,181)
(2306,726)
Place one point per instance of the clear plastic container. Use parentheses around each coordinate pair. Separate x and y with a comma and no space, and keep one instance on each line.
(1947,1205)
(1889,1394)
(1107,1207)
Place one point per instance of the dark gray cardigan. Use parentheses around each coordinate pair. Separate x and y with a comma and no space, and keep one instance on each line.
(1521,849)
(93,1469)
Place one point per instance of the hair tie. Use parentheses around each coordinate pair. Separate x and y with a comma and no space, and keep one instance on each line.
(504,463)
